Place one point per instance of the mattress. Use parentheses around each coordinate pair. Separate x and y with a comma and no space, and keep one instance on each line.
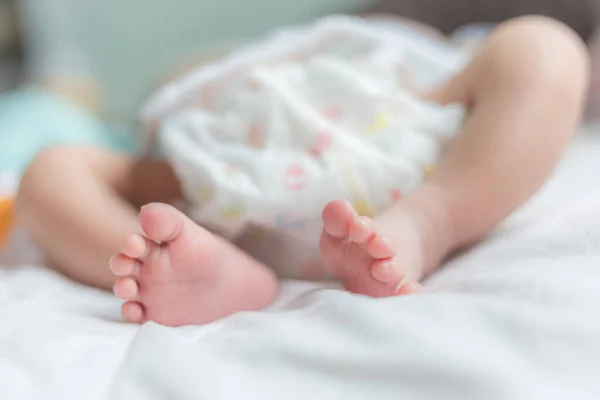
(513,318)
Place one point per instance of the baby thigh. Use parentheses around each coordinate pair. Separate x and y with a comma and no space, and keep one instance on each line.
(525,91)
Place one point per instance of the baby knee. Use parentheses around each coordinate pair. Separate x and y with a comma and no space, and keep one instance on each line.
(45,168)
(539,52)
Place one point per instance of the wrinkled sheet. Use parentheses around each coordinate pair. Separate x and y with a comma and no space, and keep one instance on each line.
(514,318)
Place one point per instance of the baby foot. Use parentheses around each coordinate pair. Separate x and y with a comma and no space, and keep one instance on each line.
(179,273)
(363,261)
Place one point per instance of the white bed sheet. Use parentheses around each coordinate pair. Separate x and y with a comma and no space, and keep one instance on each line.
(515,318)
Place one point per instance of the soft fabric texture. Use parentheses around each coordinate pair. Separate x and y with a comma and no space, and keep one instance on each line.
(514,318)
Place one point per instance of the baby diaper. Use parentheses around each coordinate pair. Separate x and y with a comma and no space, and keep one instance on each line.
(262,140)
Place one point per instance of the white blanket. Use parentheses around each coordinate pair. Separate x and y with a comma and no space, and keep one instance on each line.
(515,318)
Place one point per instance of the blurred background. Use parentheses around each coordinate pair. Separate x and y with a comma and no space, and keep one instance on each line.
(78,70)
(128,46)
(105,58)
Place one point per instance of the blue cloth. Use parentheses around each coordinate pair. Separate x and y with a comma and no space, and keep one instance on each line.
(32,119)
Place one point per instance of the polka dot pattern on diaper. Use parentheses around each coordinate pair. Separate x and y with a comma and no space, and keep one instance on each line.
(364,208)
(232,212)
(256,136)
(295,177)
(395,194)
(205,194)
(333,112)
(324,142)
(429,171)
(381,121)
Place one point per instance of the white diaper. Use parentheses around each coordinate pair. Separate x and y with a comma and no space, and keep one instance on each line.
(262,140)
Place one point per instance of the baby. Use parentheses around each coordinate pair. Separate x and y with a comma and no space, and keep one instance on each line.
(313,154)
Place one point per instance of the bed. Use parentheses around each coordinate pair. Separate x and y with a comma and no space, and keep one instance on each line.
(514,318)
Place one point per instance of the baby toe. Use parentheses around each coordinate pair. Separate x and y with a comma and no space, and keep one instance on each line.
(336,218)
(161,222)
(132,311)
(135,246)
(126,289)
(380,247)
(122,265)
(362,229)
(385,271)
(408,288)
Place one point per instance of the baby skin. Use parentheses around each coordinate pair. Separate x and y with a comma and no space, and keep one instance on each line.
(524,99)
(178,272)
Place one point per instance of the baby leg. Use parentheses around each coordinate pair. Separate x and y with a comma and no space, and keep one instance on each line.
(78,203)
(80,206)
(525,91)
